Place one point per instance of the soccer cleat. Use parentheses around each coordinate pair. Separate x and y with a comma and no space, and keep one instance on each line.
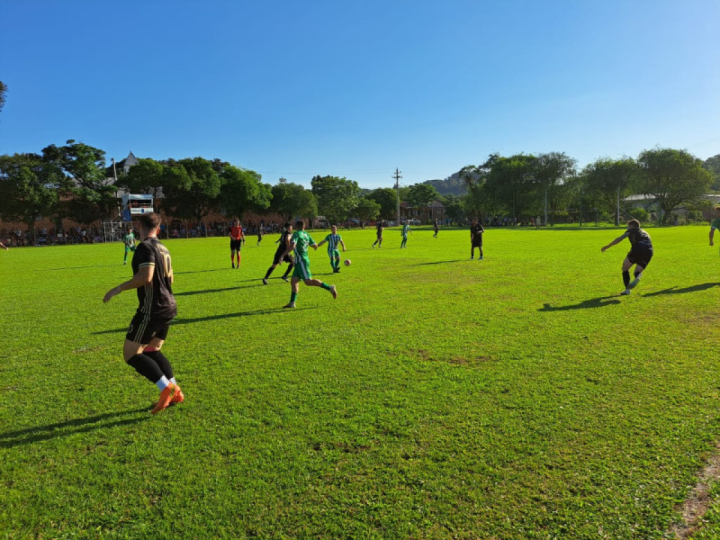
(625,292)
(264,281)
(472,258)
(165,398)
(179,397)
(333,291)
(634,282)
(480,259)
(291,305)
(233,265)
(285,279)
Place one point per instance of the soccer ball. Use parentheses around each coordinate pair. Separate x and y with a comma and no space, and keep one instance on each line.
(347,262)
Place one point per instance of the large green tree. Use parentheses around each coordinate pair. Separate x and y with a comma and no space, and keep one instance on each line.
(422,195)
(293,200)
(551,171)
(146,176)
(672,177)
(241,190)
(367,209)
(610,180)
(712,165)
(512,182)
(336,197)
(30,187)
(387,199)
(191,187)
(93,196)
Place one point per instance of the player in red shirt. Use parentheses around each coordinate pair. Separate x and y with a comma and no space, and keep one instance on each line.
(237,239)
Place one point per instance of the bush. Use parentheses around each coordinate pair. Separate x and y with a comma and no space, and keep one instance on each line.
(640,214)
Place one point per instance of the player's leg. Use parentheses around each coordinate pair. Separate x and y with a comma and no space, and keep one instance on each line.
(153,350)
(126,252)
(239,249)
(317,283)
(627,264)
(232,257)
(294,289)
(472,251)
(640,265)
(291,266)
(270,271)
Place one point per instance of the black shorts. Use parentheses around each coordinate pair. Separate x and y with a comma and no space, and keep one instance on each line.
(278,259)
(144,327)
(235,245)
(640,257)
(477,243)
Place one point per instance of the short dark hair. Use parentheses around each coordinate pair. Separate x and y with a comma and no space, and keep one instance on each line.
(633,223)
(150,221)
(287,224)
(300,224)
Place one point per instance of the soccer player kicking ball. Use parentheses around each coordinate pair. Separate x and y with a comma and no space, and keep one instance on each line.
(153,278)
(129,241)
(237,239)
(641,252)
(404,233)
(476,232)
(332,241)
(299,243)
(280,255)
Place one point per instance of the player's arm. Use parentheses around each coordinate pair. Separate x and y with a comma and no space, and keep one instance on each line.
(6,248)
(143,277)
(242,236)
(321,243)
(614,242)
(343,245)
(290,245)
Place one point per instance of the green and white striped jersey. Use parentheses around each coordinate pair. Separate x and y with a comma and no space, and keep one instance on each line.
(302,240)
(333,241)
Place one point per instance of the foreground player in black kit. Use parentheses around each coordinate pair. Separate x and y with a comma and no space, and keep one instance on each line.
(153,278)
(641,251)
(282,248)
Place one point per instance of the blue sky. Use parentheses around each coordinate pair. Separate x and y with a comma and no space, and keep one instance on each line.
(356,89)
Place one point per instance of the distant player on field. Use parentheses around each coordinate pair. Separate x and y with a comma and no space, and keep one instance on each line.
(404,233)
(280,254)
(153,278)
(379,228)
(237,239)
(436,226)
(260,233)
(476,239)
(715,224)
(332,241)
(129,241)
(641,251)
(299,243)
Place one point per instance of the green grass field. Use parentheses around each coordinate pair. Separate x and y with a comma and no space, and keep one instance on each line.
(438,397)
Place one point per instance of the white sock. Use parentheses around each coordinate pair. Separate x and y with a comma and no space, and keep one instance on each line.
(173,380)
(162,383)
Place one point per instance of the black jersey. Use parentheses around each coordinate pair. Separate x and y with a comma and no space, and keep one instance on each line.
(283,242)
(156,297)
(638,238)
(476,231)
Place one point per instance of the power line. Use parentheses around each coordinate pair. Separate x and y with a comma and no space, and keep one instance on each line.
(397,178)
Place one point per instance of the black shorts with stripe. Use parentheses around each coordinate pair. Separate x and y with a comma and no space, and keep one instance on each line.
(640,256)
(144,327)
(279,258)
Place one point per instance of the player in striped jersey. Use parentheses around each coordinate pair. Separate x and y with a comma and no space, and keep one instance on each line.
(404,233)
(332,241)
(299,243)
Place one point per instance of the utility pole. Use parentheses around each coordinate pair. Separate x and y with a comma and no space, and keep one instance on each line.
(397,178)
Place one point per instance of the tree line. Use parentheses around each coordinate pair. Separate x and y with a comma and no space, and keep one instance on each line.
(73,181)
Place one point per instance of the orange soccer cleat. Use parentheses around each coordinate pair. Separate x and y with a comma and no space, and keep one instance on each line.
(166,396)
(179,397)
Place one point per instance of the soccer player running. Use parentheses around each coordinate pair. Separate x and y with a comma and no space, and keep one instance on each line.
(641,251)
(332,241)
(237,239)
(129,241)
(379,228)
(153,278)
(714,224)
(280,254)
(299,243)
(476,239)
(436,226)
(404,233)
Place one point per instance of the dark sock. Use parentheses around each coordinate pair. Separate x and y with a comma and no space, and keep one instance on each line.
(270,271)
(626,279)
(162,362)
(637,274)
(293,296)
(289,269)
(325,286)
(147,367)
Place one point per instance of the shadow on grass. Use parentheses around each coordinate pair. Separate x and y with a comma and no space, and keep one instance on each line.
(229,269)
(213,318)
(675,290)
(71,427)
(587,304)
(89,266)
(207,291)
(440,262)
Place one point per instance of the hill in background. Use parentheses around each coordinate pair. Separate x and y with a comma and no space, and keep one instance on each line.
(452,185)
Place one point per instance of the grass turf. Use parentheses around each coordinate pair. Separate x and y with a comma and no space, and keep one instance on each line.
(514,397)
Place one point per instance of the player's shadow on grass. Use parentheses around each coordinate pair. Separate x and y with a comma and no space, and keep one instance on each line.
(440,262)
(203,271)
(71,427)
(587,304)
(214,318)
(207,291)
(675,290)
